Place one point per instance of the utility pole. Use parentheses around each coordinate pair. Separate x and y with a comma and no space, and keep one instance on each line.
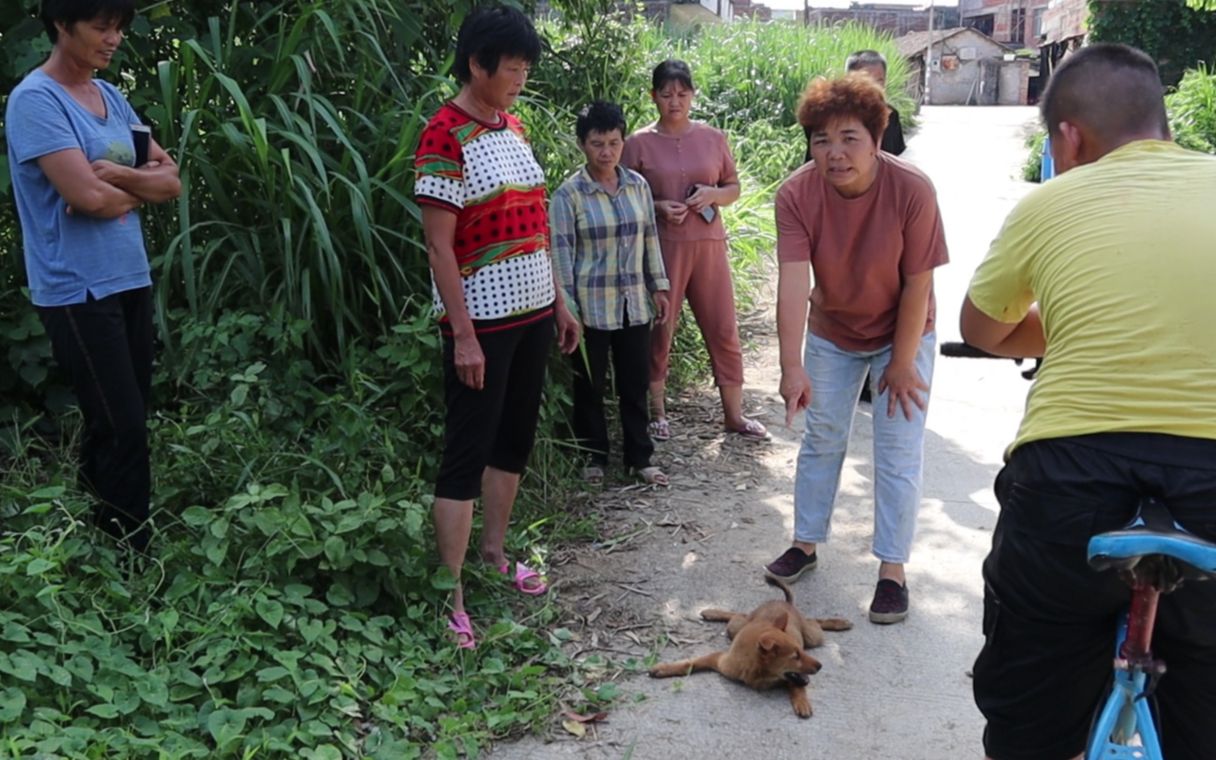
(929,56)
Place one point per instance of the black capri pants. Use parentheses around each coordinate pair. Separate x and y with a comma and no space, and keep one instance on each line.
(1049,620)
(495,426)
(105,347)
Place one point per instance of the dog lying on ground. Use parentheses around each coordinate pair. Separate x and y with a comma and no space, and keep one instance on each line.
(766,649)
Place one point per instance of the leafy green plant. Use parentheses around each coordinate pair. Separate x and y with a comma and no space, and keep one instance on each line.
(1192,110)
(291,607)
(1032,169)
(1177,35)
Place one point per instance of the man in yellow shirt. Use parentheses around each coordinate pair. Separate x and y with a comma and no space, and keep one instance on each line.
(1108,273)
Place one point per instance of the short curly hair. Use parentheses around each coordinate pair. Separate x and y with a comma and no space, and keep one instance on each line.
(856,95)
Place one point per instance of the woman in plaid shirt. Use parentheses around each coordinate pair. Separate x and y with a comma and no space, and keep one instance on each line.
(606,253)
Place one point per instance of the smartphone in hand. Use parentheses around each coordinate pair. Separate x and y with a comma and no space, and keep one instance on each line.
(141,136)
(707,213)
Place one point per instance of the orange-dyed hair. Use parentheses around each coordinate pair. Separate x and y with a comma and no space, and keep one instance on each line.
(855,95)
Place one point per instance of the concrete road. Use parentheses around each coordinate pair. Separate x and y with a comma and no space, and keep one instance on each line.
(900,692)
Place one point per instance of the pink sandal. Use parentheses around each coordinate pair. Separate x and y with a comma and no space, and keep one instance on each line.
(459,623)
(659,429)
(523,574)
(752,431)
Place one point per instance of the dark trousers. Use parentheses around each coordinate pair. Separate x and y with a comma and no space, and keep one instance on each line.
(1049,619)
(495,426)
(105,346)
(630,349)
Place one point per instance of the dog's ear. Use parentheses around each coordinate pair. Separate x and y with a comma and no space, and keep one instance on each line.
(767,643)
(781,621)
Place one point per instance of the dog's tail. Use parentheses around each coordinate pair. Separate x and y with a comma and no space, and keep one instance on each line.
(789,595)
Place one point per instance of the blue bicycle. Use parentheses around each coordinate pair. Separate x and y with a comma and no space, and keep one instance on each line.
(1154,555)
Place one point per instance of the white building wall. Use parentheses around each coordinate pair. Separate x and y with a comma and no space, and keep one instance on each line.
(720,8)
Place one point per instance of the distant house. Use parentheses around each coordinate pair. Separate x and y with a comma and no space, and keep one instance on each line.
(896,20)
(1064,28)
(1016,23)
(690,12)
(966,67)
(746,9)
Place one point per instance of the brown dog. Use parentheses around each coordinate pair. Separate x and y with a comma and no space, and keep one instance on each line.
(766,648)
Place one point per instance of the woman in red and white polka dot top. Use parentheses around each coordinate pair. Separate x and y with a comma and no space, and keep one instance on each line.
(483,214)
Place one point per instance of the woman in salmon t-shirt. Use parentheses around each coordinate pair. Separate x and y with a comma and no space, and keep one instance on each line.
(868,226)
(691,174)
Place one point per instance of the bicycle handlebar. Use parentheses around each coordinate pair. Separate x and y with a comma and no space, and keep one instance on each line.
(962,350)
(966,351)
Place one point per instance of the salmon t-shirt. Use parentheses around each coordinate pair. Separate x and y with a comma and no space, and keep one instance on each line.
(861,249)
(673,164)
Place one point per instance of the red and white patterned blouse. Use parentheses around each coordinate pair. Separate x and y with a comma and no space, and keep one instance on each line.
(487,176)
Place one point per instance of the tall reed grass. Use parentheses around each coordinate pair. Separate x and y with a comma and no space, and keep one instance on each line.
(296,137)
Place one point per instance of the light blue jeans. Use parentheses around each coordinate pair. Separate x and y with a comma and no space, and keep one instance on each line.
(836,378)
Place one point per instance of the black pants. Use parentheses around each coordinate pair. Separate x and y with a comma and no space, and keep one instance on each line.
(630,348)
(1049,620)
(105,346)
(495,426)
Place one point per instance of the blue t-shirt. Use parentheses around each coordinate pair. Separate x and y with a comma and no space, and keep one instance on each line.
(71,256)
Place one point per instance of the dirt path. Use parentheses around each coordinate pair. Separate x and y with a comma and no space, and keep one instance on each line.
(894,692)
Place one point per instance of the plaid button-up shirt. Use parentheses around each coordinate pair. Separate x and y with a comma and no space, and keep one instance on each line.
(606,249)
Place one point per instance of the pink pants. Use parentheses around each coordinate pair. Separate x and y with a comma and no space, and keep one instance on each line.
(699,270)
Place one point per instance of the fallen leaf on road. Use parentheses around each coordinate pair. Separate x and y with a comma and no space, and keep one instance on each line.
(575,728)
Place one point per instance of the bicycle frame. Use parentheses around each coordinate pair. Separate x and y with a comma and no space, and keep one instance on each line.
(1126,714)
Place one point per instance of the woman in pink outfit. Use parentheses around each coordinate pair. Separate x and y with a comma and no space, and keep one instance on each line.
(691,174)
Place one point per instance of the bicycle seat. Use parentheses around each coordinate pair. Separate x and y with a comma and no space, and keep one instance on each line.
(1153,532)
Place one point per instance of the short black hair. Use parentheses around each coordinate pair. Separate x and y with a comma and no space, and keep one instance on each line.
(68,12)
(671,70)
(864,59)
(491,33)
(599,116)
(1113,89)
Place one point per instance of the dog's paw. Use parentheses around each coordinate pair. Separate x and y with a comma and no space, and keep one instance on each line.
(801,701)
(670,670)
(834,624)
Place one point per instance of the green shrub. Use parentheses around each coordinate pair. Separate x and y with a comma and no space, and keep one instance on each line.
(292,607)
(1177,35)
(1192,110)
(1032,170)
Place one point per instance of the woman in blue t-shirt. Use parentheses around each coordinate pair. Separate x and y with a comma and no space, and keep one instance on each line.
(79,177)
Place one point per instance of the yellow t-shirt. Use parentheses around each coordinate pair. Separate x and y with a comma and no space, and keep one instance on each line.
(1120,255)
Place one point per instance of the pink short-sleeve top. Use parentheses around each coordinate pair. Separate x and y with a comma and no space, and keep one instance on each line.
(674,163)
(861,249)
